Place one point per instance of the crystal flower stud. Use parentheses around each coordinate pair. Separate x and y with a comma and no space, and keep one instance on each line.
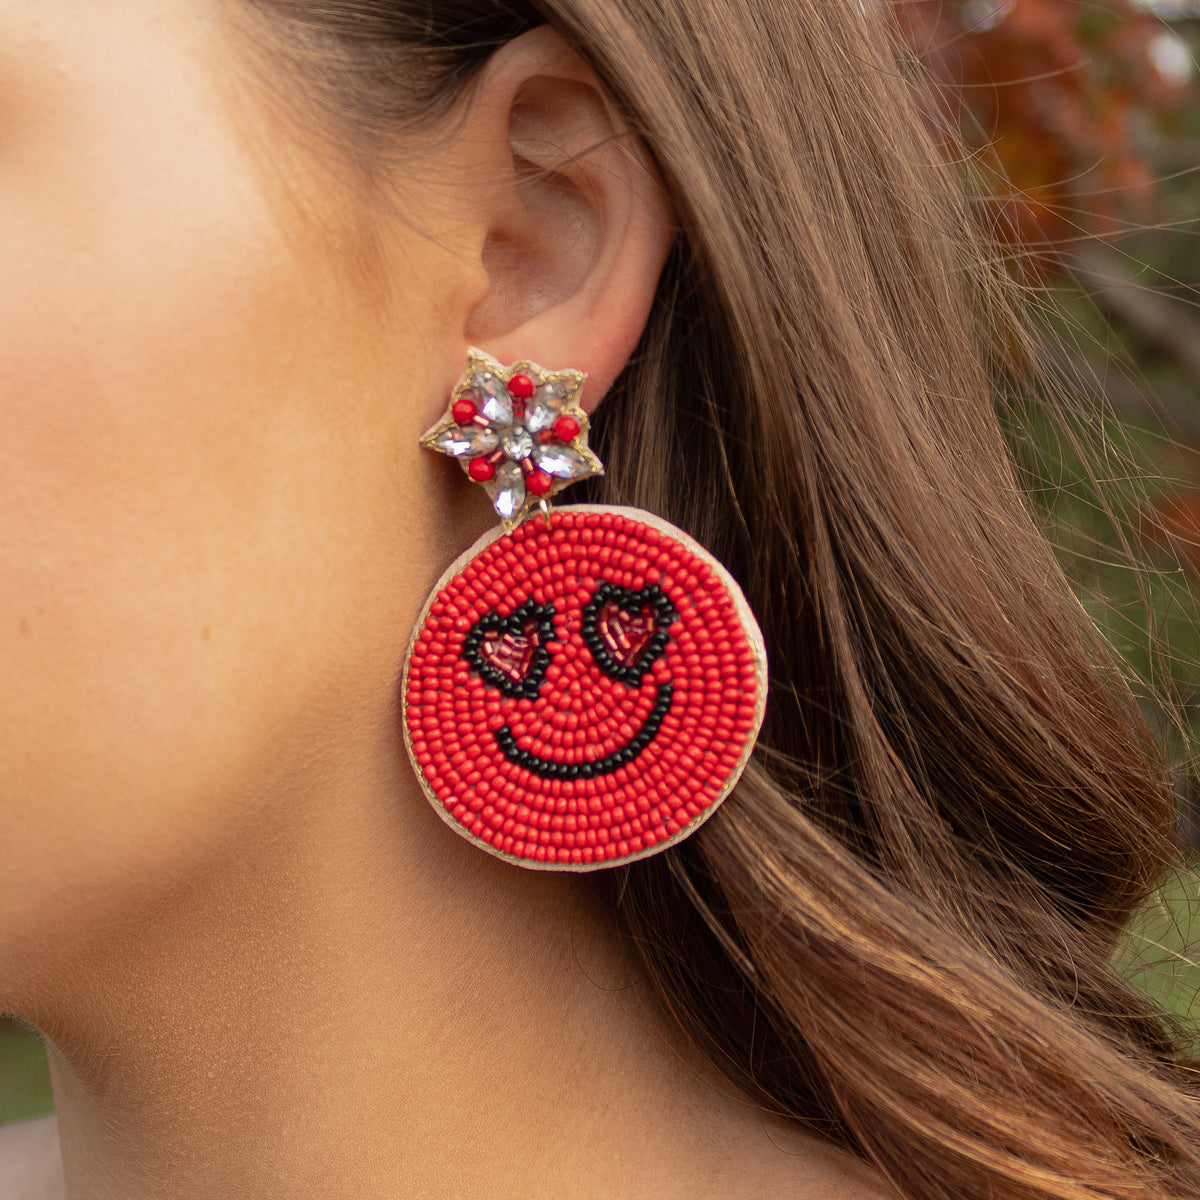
(518,431)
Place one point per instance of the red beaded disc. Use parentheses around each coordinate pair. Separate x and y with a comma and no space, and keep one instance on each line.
(583,692)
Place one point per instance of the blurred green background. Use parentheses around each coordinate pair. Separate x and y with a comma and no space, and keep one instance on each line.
(1083,123)
(24,1083)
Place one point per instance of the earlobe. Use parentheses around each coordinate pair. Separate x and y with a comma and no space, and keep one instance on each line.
(577,223)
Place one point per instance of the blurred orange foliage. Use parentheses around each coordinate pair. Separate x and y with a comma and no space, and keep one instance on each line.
(1058,99)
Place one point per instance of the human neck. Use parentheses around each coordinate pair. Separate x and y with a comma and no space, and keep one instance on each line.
(335,1014)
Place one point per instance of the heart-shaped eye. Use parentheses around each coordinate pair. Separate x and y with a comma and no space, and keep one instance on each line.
(625,634)
(510,652)
(627,630)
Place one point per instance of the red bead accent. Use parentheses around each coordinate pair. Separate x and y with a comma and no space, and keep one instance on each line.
(464,410)
(480,470)
(566,429)
(520,387)
(538,482)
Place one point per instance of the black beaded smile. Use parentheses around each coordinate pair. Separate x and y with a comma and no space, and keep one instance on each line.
(549,769)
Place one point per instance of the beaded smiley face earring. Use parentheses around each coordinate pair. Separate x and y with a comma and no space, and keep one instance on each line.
(584,686)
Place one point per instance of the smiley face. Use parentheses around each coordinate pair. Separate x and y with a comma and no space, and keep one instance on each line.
(583,693)
(626,633)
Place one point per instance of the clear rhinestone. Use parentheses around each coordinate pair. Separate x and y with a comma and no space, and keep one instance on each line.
(565,462)
(466,441)
(543,408)
(517,443)
(497,407)
(507,490)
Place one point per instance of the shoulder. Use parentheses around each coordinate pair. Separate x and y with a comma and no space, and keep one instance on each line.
(30,1167)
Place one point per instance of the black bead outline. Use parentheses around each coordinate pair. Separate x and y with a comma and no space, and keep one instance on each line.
(650,596)
(529,687)
(548,769)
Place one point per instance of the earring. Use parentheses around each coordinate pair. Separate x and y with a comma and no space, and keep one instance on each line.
(584,686)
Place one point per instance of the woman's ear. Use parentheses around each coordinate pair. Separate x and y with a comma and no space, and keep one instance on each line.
(573,224)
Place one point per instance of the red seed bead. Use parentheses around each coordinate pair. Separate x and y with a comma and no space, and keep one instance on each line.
(520,387)
(480,470)
(537,482)
(464,410)
(566,429)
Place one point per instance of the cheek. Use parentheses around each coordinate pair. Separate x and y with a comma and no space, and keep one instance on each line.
(591,769)
(174,565)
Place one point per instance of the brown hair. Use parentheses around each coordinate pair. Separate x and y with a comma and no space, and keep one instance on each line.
(900,926)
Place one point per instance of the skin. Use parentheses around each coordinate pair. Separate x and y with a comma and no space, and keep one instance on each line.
(262,965)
